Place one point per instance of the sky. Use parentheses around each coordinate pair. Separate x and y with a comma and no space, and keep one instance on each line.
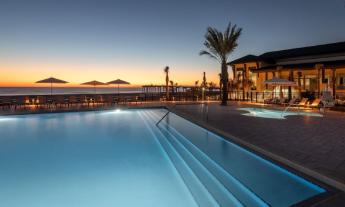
(79,41)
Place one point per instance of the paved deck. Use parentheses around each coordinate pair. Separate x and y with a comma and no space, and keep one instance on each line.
(317,143)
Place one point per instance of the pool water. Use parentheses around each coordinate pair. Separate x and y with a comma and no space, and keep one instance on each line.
(85,159)
(275,114)
(122,158)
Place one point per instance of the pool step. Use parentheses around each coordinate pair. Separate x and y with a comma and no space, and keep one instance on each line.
(214,186)
(241,192)
(201,195)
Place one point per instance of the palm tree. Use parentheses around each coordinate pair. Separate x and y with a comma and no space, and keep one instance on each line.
(204,82)
(219,45)
(196,83)
(211,86)
(166,71)
(172,86)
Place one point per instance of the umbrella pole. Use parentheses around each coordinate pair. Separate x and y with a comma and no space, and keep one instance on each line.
(51,88)
(118,89)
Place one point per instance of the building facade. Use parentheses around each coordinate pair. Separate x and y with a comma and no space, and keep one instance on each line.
(314,69)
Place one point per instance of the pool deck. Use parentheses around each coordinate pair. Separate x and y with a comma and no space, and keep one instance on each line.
(311,144)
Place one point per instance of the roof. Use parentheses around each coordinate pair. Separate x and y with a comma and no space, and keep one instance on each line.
(338,47)
(303,66)
(245,59)
(272,58)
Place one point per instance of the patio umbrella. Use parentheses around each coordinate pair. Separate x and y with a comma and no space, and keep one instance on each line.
(280,82)
(118,82)
(94,84)
(52,80)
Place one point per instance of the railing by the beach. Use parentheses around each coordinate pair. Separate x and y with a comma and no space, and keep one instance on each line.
(261,97)
(92,100)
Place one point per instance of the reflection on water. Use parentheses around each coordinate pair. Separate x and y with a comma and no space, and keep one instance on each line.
(85,159)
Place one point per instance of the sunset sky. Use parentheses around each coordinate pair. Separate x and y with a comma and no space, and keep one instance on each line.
(79,41)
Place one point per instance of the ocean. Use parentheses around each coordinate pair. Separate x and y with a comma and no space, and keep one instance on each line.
(63,90)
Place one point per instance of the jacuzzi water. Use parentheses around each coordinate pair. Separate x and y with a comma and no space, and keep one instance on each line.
(121,158)
(275,114)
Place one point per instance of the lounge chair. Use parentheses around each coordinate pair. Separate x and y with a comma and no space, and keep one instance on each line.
(290,103)
(327,99)
(302,103)
(282,101)
(315,104)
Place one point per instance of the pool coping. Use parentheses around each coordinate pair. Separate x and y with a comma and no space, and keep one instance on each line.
(333,188)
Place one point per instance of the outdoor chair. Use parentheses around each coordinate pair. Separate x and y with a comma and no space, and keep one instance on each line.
(50,101)
(141,98)
(62,101)
(290,103)
(41,102)
(340,101)
(1,103)
(84,100)
(111,100)
(315,104)
(281,101)
(19,102)
(99,99)
(302,103)
(327,99)
(7,102)
(73,100)
(89,100)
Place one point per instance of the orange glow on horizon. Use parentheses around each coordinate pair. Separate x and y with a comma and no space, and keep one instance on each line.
(25,75)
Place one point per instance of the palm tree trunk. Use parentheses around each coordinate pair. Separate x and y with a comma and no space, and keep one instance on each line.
(224,83)
(167,87)
(220,89)
(233,73)
(244,83)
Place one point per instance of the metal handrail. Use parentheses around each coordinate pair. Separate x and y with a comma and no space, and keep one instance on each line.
(162,118)
(169,110)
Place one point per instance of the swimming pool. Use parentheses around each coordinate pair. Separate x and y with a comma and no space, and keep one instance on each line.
(121,158)
(275,114)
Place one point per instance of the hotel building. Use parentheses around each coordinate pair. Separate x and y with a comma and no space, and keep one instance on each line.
(314,69)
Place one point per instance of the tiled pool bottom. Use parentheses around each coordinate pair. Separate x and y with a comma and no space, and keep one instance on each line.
(121,158)
(275,114)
